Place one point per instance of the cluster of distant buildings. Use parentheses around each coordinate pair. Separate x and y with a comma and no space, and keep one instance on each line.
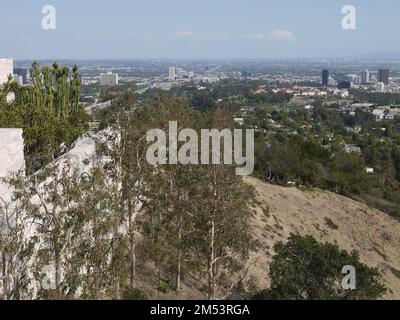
(20,75)
(179,74)
(365,78)
(379,113)
(386,113)
(109,79)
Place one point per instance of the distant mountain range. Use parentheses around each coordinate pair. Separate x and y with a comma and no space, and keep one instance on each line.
(378,56)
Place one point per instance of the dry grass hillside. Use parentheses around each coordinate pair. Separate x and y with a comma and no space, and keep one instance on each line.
(329,218)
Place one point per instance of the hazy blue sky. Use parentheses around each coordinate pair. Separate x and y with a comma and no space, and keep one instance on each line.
(196,29)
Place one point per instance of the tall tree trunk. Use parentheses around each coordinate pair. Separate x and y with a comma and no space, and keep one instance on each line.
(180,253)
(211,273)
(132,254)
(4,275)
(211,268)
(159,283)
(57,269)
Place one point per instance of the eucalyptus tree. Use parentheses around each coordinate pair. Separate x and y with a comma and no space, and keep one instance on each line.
(196,217)
(16,249)
(220,215)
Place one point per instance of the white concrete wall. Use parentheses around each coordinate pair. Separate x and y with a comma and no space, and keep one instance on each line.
(11,156)
(6,69)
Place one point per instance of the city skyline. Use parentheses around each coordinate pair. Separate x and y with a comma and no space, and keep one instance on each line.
(187,30)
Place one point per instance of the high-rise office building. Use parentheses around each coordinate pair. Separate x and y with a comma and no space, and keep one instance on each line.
(23,72)
(109,79)
(172,73)
(344,84)
(380,87)
(18,79)
(357,80)
(325,78)
(383,76)
(182,75)
(6,69)
(365,75)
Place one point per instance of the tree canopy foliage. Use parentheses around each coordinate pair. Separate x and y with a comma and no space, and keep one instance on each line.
(49,112)
(104,230)
(304,269)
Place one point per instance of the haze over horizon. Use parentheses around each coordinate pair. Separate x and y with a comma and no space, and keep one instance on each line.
(180,29)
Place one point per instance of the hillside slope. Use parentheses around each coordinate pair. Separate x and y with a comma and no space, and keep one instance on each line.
(329,218)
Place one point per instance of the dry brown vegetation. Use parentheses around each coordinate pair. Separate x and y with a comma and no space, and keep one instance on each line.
(329,218)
